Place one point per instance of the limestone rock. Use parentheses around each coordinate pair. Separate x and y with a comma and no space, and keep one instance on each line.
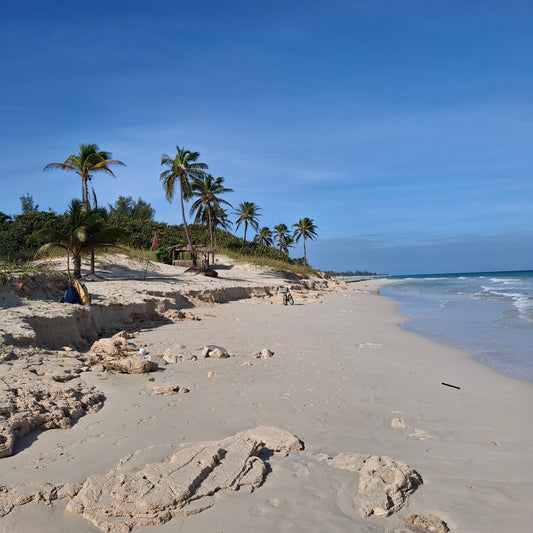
(265,353)
(426,524)
(21,494)
(384,484)
(131,496)
(136,364)
(398,423)
(30,403)
(112,346)
(215,352)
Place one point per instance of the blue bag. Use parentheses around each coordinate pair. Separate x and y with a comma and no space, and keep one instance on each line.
(72,296)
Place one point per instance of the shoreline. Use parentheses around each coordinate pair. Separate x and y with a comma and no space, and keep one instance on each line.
(344,377)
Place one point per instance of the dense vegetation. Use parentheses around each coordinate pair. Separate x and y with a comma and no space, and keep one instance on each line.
(139,234)
(184,175)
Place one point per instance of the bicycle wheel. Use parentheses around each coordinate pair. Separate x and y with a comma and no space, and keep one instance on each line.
(290,299)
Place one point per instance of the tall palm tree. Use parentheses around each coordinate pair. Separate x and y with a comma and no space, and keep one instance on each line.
(182,168)
(207,189)
(264,236)
(248,213)
(88,161)
(280,232)
(306,229)
(85,231)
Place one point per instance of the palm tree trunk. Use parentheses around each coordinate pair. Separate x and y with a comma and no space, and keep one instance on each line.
(210,225)
(305,259)
(77,267)
(245,228)
(186,228)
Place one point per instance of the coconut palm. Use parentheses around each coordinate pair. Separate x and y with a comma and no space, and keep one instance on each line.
(305,229)
(248,213)
(87,162)
(85,231)
(182,168)
(280,231)
(286,242)
(264,236)
(207,189)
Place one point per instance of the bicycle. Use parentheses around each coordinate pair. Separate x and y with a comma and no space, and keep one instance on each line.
(287,296)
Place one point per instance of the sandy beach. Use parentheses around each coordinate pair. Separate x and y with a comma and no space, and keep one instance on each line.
(335,371)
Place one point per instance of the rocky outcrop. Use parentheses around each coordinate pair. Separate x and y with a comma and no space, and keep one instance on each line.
(384,484)
(130,496)
(425,524)
(31,402)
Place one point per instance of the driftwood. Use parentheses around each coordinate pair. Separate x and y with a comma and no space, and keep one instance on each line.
(452,386)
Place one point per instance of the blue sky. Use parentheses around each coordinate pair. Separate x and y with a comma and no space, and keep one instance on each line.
(403,128)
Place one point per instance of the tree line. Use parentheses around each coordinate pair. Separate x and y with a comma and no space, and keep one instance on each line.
(85,226)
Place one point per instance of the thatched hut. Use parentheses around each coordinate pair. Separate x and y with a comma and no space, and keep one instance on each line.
(181,255)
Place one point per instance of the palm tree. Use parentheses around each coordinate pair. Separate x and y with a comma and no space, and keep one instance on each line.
(306,229)
(207,189)
(286,242)
(264,236)
(182,168)
(89,160)
(281,231)
(85,231)
(248,213)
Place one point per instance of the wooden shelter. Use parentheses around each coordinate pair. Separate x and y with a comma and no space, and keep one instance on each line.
(181,255)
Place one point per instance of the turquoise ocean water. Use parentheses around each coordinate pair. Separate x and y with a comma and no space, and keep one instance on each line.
(489,314)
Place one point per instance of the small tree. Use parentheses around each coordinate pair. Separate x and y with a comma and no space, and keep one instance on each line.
(27,204)
(85,231)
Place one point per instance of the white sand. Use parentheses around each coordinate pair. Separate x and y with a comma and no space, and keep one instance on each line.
(342,371)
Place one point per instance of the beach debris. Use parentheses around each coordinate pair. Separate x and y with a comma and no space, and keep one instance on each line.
(131,496)
(176,353)
(426,524)
(215,352)
(384,483)
(211,374)
(32,403)
(452,386)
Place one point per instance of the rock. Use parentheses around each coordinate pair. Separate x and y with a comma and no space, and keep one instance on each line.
(31,403)
(215,352)
(265,353)
(211,374)
(132,496)
(384,484)
(398,423)
(159,361)
(425,524)
(136,364)
(167,389)
(112,346)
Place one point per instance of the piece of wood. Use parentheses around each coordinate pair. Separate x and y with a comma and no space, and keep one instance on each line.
(452,386)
